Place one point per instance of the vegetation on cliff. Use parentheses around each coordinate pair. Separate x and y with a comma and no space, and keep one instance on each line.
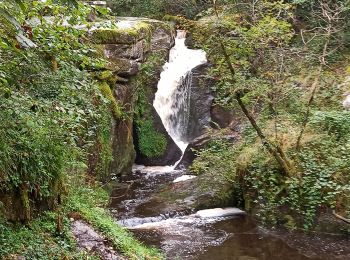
(150,142)
(53,112)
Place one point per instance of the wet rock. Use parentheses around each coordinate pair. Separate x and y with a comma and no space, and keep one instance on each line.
(135,51)
(123,67)
(163,39)
(201,100)
(91,241)
(122,140)
(326,222)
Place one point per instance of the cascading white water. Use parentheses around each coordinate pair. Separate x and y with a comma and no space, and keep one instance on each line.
(174,88)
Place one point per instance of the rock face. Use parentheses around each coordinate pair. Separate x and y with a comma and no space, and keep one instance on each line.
(200,102)
(127,47)
(91,241)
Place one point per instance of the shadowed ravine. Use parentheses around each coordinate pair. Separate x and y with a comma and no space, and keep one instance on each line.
(141,204)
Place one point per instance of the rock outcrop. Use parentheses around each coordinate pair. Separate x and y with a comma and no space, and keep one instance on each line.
(201,99)
(129,45)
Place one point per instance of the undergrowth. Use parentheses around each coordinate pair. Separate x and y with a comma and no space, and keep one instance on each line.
(89,202)
(40,239)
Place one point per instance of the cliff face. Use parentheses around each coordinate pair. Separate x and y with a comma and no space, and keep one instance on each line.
(136,51)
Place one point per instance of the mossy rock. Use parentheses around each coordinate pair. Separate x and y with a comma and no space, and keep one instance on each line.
(123,66)
(114,105)
(121,36)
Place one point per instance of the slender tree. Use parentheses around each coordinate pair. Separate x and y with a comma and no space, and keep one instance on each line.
(274,149)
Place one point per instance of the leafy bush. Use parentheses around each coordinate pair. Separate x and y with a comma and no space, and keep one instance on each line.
(218,172)
(51,109)
(336,123)
(40,241)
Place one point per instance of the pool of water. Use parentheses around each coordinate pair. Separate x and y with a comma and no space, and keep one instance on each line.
(218,234)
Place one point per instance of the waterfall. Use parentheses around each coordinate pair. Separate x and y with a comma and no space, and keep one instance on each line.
(172,100)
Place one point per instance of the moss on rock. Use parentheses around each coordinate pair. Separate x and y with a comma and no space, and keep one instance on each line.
(151,143)
(107,93)
(131,35)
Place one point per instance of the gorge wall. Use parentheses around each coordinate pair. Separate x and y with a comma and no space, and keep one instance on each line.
(136,52)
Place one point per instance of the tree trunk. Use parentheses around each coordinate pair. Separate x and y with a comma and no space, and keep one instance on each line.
(277,153)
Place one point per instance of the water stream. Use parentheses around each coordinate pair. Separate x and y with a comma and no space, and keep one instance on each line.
(141,202)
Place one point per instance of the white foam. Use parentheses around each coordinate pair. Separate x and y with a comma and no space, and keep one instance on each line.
(153,169)
(184,178)
(202,216)
(218,212)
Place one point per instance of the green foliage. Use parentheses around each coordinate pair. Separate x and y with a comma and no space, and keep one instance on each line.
(158,8)
(39,241)
(137,8)
(52,111)
(217,157)
(89,201)
(274,60)
(324,178)
(333,122)
(151,143)
(215,162)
